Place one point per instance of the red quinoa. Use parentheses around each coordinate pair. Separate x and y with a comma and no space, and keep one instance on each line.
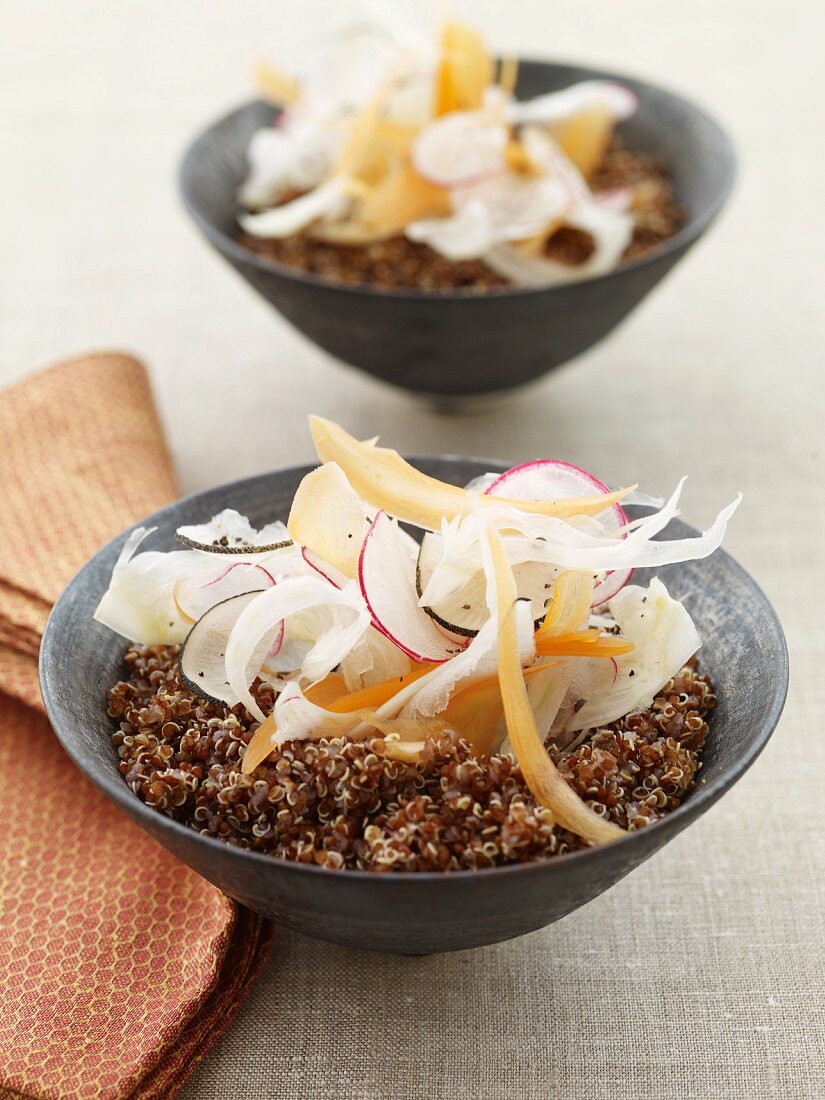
(398,262)
(344,804)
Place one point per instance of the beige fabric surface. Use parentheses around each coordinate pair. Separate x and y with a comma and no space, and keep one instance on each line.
(700,975)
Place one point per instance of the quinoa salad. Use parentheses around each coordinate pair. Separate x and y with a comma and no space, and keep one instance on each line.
(489,689)
(401,158)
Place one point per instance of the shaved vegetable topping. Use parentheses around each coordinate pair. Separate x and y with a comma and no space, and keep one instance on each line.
(384,131)
(384,479)
(386,573)
(202,659)
(570,608)
(465,71)
(328,518)
(231,533)
(322,624)
(484,627)
(539,771)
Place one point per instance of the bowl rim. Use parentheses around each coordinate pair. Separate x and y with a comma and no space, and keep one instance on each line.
(703,795)
(693,228)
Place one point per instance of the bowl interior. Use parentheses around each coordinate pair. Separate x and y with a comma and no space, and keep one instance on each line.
(696,149)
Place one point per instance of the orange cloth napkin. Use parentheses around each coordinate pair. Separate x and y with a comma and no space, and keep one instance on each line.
(118,965)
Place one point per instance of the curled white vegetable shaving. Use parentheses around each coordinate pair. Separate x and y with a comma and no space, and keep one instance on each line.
(664,638)
(327,201)
(345,618)
(568,102)
(140,600)
(297,158)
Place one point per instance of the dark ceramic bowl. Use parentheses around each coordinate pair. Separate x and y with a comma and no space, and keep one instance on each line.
(458,344)
(744,651)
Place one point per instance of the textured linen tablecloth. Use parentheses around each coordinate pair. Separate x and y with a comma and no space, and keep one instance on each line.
(701,974)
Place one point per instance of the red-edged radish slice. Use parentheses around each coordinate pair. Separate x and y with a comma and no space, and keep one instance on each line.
(202,659)
(550,479)
(612,584)
(231,533)
(386,573)
(384,479)
(335,577)
(460,149)
(194,596)
(553,479)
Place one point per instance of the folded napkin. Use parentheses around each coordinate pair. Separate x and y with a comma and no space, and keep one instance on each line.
(118,965)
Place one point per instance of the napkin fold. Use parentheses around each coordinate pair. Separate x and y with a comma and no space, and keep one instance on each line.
(118,965)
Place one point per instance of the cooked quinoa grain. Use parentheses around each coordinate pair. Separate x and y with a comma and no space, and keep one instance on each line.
(398,262)
(345,804)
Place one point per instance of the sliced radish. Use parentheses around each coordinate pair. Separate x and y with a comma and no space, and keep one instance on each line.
(612,584)
(507,208)
(194,596)
(202,658)
(553,479)
(548,479)
(386,572)
(459,149)
(322,625)
(335,577)
(231,533)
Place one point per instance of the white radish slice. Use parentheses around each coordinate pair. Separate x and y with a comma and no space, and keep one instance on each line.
(612,584)
(202,660)
(465,610)
(460,149)
(553,479)
(335,577)
(386,573)
(194,595)
(547,479)
(328,623)
(231,533)
(327,201)
(519,207)
(559,106)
